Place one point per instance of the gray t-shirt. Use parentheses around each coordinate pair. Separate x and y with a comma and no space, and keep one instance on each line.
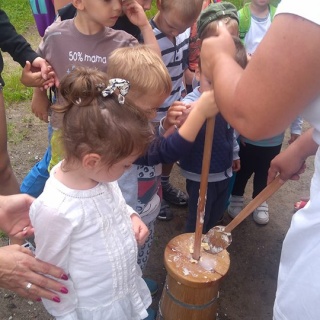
(65,48)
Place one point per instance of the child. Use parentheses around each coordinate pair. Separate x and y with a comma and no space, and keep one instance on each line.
(93,234)
(254,21)
(85,40)
(171,25)
(150,85)
(256,155)
(224,157)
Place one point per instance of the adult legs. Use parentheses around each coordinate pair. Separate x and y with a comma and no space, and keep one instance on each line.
(8,181)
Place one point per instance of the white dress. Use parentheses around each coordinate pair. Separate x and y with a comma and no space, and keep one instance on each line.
(298,291)
(89,234)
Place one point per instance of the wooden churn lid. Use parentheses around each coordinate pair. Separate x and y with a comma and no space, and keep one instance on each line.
(180,265)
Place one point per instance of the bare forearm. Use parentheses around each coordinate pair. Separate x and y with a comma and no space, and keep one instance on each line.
(150,39)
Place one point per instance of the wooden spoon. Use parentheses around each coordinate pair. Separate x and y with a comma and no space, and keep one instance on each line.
(219,238)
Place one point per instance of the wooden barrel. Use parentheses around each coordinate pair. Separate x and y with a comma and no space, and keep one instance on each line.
(191,289)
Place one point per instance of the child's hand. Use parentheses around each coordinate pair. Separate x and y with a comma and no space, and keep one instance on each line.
(207,104)
(236,165)
(175,111)
(140,230)
(135,13)
(33,77)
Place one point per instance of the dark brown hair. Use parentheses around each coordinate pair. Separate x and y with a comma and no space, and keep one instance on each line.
(96,124)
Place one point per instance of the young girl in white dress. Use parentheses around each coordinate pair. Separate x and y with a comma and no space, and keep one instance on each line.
(82,223)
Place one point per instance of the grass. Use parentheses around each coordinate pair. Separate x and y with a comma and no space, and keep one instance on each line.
(21,17)
(19,13)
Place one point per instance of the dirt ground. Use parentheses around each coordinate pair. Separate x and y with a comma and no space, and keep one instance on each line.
(248,290)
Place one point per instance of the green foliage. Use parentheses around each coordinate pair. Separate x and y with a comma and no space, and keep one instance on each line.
(14,90)
(3,235)
(19,12)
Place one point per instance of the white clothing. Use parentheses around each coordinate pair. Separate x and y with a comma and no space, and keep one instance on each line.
(298,291)
(88,233)
(256,32)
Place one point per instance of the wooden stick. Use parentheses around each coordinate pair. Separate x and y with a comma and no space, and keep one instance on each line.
(203,187)
(265,194)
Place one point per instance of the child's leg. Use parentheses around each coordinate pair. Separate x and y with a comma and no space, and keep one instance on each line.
(248,160)
(217,193)
(264,157)
(144,250)
(193,192)
(33,183)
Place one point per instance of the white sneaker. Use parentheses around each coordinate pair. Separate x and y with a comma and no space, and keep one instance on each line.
(235,205)
(261,214)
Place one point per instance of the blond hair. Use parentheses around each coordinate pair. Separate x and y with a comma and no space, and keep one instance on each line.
(188,10)
(93,123)
(143,68)
(211,29)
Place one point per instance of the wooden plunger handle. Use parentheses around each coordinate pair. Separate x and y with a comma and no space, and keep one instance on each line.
(267,192)
(203,187)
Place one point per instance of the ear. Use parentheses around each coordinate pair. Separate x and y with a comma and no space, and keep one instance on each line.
(91,160)
(78,4)
(197,73)
(159,4)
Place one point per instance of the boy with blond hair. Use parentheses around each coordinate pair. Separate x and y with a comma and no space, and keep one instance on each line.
(171,26)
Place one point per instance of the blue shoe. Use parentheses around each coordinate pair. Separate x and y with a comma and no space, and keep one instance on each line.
(152,285)
(151,314)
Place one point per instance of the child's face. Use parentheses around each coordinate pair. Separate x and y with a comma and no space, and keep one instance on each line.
(104,12)
(150,104)
(261,3)
(171,25)
(106,173)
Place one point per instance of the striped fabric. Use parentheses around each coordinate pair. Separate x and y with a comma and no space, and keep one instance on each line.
(175,57)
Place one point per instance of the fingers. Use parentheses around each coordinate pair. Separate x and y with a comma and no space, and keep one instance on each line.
(34,292)
(27,66)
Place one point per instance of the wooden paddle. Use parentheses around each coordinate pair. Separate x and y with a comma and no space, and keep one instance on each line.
(203,187)
(219,238)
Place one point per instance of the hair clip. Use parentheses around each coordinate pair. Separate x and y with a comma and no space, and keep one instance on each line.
(120,84)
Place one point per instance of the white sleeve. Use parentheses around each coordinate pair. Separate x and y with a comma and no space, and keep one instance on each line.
(52,237)
(296,126)
(236,147)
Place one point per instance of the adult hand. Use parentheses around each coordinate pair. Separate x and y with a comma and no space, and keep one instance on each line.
(14,215)
(291,162)
(214,48)
(22,273)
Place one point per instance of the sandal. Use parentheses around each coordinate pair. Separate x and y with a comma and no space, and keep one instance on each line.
(299,205)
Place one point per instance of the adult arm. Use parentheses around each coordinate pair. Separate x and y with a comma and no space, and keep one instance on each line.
(18,267)
(13,43)
(281,79)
